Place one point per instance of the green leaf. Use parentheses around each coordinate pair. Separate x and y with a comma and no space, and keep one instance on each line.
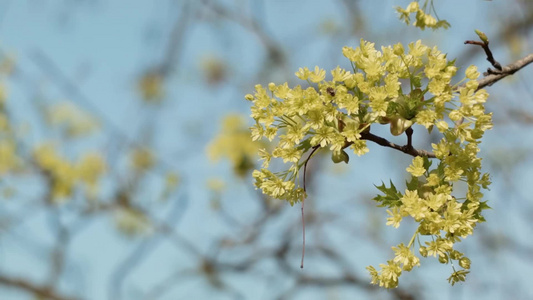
(413,184)
(305,145)
(440,170)
(391,198)
(427,163)
(483,205)
(416,81)
(451,62)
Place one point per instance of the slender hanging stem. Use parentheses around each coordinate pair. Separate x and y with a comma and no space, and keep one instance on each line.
(303,234)
(303,202)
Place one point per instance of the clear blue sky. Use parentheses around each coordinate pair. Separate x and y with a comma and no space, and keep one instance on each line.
(104,46)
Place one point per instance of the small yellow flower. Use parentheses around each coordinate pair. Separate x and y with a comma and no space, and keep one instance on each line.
(70,118)
(142,159)
(150,86)
(417,167)
(8,156)
(303,74)
(131,222)
(395,217)
(472,73)
(216,185)
(318,75)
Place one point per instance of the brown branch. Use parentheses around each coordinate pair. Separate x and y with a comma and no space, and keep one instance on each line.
(490,58)
(488,80)
(407,149)
(510,69)
(176,41)
(58,256)
(38,291)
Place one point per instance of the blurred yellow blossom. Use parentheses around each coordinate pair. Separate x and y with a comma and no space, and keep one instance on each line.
(214,69)
(3,94)
(142,159)
(150,86)
(61,173)
(216,185)
(131,222)
(7,65)
(234,143)
(8,156)
(71,119)
(90,168)
(172,181)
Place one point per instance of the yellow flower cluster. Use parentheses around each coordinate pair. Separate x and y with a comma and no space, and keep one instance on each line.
(142,159)
(151,87)
(9,160)
(132,222)
(71,119)
(64,175)
(234,144)
(399,87)
(422,19)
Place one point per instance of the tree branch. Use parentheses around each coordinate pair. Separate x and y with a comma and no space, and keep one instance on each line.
(510,69)
(405,149)
(488,80)
(38,291)
(490,57)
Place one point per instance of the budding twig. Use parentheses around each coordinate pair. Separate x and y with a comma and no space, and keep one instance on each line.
(490,58)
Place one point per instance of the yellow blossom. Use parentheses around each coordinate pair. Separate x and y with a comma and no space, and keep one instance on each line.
(417,167)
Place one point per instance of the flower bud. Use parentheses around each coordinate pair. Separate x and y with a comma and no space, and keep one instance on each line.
(464,262)
(340,155)
(443,259)
(398,49)
(398,125)
(482,36)
(412,7)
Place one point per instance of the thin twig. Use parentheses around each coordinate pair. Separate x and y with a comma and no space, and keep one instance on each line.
(490,58)
(303,201)
(409,133)
(307,160)
(303,234)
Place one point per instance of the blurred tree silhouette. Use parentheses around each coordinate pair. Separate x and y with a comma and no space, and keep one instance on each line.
(126,172)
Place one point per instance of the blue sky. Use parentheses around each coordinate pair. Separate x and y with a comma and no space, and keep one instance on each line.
(104,47)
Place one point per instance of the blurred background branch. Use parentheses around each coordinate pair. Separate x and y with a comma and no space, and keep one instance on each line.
(125,153)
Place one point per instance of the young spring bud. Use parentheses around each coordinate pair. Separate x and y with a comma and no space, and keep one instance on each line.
(338,156)
(398,49)
(464,262)
(398,125)
(482,36)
